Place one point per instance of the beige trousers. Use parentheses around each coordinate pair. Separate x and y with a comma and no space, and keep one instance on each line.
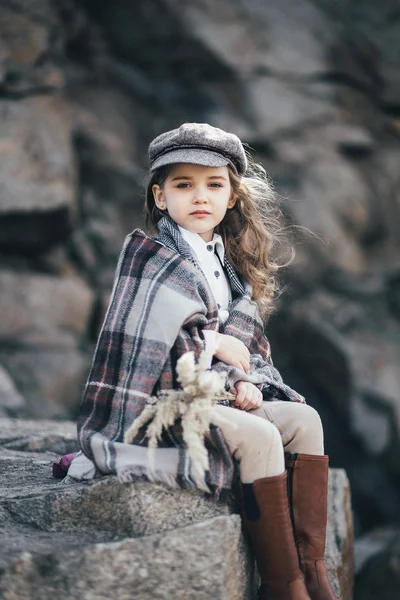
(264,434)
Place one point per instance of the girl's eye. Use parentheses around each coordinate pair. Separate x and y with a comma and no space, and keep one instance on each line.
(184,185)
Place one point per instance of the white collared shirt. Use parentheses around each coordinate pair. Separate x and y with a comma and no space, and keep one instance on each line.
(211,265)
(206,255)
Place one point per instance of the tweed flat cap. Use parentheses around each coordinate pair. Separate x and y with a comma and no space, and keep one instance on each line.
(199,144)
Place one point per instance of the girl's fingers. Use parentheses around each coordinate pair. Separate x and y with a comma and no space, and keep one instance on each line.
(240,396)
(246,404)
(252,404)
(248,396)
(254,400)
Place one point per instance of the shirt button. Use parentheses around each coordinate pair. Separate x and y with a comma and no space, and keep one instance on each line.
(217,274)
(210,248)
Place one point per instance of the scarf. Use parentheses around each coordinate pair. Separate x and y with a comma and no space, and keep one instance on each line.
(160,306)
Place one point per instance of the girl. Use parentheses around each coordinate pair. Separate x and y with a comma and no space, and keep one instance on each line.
(206,278)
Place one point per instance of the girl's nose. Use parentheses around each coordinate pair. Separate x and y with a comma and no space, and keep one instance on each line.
(200,195)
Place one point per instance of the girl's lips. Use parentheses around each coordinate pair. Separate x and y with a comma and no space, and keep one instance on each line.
(200,213)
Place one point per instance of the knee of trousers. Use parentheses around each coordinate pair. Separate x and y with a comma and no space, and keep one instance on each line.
(263,435)
(307,426)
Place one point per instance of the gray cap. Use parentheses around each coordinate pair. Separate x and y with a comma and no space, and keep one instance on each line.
(198,144)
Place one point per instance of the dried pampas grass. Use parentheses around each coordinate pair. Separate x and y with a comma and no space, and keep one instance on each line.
(194,404)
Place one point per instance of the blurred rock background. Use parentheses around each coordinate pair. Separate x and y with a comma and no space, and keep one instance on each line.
(313,87)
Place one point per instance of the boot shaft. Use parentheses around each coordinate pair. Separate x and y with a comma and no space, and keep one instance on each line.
(267,521)
(308,502)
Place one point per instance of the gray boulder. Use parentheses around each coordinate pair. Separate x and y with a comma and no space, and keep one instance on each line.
(352,343)
(142,540)
(12,403)
(44,310)
(45,319)
(31,44)
(378,561)
(37,174)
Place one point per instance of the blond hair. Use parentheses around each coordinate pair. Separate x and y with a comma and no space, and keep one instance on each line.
(251,230)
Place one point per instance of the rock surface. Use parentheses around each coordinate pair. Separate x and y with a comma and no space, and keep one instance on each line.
(12,403)
(48,318)
(138,540)
(379,568)
(37,174)
(44,310)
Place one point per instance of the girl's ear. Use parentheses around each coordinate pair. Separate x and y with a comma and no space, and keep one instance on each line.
(232,202)
(158,196)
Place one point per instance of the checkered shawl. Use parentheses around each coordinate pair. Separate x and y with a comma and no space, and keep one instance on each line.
(160,306)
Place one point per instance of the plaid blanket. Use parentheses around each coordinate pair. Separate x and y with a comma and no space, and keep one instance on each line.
(160,306)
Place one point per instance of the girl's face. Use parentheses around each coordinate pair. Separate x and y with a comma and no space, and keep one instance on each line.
(196,197)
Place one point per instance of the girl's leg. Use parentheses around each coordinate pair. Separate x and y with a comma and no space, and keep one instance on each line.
(299,425)
(307,467)
(257,444)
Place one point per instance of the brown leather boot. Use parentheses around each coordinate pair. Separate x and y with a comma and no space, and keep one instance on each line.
(266,519)
(308,499)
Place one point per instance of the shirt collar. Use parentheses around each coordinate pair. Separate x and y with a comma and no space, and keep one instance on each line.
(200,246)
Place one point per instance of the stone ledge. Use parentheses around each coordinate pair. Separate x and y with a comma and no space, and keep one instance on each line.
(201,561)
(145,537)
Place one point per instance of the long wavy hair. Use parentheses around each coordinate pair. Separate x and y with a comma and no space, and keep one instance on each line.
(251,230)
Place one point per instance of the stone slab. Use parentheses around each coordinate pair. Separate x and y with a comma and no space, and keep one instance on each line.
(140,540)
(202,561)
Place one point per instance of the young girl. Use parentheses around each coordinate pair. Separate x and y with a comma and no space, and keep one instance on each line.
(206,278)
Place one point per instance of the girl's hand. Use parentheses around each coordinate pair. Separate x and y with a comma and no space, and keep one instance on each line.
(248,396)
(232,352)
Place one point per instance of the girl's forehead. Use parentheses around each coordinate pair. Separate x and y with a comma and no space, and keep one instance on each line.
(191,170)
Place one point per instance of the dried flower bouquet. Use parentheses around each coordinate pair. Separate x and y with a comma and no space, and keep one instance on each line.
(194,404)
